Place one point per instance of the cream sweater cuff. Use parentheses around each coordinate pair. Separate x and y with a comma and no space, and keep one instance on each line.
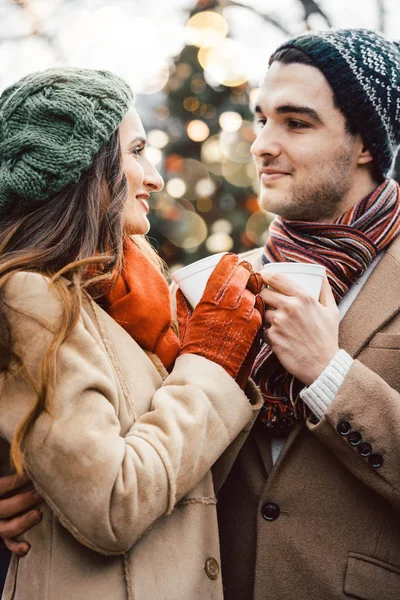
(319,395)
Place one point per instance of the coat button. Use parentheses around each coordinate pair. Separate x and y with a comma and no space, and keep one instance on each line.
(270,511)
(375,460)
(364,449)
(354,438)
(343,428)
(212,568)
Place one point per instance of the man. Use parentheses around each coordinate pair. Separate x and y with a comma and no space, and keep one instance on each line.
(310,510)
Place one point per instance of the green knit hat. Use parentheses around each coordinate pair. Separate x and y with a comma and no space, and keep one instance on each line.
(52,124)
(363,69)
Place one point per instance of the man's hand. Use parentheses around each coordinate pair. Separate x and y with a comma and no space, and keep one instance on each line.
(12,523)
(302,332)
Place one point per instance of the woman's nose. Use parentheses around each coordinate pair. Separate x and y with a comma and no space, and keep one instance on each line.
(153,179)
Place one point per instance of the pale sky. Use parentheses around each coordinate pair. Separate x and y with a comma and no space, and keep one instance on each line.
(139,38)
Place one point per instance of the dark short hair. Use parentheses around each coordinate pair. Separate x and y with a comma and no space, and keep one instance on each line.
(288,56)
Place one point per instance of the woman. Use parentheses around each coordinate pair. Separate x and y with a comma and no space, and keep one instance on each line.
(119,448)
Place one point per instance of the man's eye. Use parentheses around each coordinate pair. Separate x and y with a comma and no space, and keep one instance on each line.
(260,122)
(294,124)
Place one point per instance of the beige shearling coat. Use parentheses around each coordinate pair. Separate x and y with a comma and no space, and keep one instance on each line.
(123,462)
(337,535)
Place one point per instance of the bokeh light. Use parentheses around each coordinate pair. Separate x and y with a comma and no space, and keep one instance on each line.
(161,112)
(192,171)
(204,204)
(191,103)
(188,232)
(221,226)
(176,187)
(219,242)
(157,138)
(253,97)
(206,29)
(236,145)
(230,121)
(211,154)
(257,227)
(226,62)
(205,187)
(154,155)
(197,130)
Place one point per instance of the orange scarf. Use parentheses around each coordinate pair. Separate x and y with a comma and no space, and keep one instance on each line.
(140,303)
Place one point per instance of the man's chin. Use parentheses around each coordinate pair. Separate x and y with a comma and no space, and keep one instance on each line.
(272,201)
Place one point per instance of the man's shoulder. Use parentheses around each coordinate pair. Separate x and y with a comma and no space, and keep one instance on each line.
(394,249)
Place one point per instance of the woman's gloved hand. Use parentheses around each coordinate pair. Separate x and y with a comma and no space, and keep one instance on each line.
(225,324)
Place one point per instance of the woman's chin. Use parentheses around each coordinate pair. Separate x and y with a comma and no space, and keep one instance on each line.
(139,227)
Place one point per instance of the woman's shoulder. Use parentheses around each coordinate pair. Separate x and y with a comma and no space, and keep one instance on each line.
(31,294)
(27,280)
(26,285)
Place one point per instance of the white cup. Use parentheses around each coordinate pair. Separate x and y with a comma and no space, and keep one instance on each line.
(309,276)
(193,279)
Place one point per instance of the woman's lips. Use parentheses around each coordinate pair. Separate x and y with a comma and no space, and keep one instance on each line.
(144,203)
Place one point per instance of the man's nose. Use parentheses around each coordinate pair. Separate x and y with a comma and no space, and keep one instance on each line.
(266,143)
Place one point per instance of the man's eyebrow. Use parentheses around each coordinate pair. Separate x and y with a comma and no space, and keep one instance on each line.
(300,110)
(294,108)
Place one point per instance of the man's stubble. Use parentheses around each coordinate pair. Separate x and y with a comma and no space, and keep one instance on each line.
(318,199)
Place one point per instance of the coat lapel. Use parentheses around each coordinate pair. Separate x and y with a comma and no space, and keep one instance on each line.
(377,303)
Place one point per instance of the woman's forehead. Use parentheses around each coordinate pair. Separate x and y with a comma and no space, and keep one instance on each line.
(131,127)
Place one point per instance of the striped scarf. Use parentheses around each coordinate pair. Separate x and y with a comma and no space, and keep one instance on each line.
(345,248)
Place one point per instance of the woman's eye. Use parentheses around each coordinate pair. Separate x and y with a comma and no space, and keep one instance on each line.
(260,123)
(138,150)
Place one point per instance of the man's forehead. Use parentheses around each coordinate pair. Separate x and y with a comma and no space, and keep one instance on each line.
(294,83)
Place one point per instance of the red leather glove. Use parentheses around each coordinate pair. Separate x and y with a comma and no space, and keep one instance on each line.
(183,312)
(255,285)
(225,323)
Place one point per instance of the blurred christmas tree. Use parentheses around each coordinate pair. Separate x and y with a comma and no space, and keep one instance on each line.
(210,200)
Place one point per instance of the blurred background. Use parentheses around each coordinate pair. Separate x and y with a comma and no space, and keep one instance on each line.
(195,67)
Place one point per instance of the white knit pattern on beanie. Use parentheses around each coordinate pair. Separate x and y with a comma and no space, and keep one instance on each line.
(379,64)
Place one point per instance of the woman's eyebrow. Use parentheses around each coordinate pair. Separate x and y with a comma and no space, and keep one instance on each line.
(137,139)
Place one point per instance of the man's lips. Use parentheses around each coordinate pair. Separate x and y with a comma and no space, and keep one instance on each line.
(267,174)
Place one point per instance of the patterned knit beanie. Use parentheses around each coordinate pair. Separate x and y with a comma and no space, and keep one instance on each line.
(52,123)
(363,69)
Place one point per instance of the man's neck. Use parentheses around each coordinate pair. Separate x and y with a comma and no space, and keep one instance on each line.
(362,187)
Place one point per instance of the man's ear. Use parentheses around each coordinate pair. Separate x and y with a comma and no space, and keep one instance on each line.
(365,155)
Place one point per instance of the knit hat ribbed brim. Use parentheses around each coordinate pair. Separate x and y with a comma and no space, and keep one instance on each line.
(52,124)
